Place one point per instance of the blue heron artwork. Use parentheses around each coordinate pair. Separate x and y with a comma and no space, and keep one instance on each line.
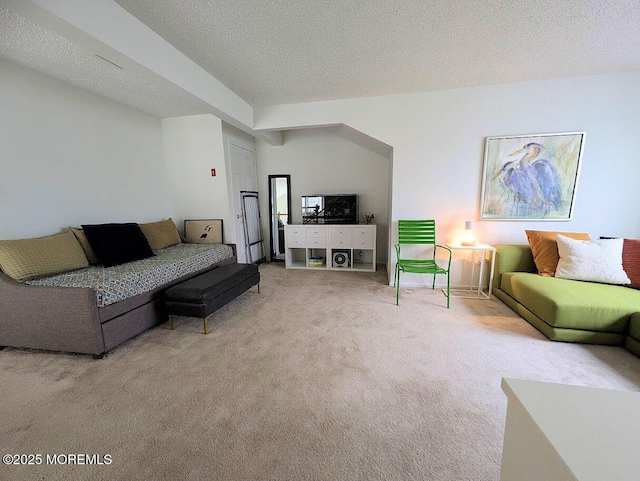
(531,177)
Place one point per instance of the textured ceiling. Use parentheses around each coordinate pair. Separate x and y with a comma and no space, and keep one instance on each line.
(26,43)
(288,51)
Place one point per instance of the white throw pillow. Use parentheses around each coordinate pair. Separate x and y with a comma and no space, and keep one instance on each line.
(595,261)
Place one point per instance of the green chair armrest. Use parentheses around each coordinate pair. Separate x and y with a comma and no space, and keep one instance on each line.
(445,248)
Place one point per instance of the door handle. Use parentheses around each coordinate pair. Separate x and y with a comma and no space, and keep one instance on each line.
(239,216)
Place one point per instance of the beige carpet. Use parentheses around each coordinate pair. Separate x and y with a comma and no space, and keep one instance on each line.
(318,377)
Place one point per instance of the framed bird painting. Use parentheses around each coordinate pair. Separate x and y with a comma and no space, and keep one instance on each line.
(203,231)
(531,177)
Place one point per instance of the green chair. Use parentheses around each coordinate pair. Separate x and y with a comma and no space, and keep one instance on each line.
(419,232)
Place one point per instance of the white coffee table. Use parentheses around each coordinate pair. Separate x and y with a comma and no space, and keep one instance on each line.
(558,432)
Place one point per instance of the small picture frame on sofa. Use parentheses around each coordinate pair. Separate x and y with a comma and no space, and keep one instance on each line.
(206,231)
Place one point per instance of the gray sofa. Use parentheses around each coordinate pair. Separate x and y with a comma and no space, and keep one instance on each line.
(54,315)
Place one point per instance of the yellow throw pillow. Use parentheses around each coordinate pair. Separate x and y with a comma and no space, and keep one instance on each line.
(544,247)
(86,247)
(161,234)
(26,259)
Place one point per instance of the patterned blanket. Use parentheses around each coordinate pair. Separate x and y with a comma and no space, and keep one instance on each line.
(121,282)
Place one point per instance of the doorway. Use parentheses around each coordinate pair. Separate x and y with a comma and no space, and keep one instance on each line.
(243,177)
(279,213)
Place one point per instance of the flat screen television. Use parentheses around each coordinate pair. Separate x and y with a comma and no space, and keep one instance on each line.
(330,209)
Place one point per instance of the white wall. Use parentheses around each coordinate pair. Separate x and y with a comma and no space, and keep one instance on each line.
(323,163)
(193,146)
(438,144)
(238,137)
(70,157)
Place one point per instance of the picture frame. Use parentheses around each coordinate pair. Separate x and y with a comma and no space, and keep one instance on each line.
(532,177)
(203,231)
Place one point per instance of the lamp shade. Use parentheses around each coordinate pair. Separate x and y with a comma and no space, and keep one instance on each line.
(469,225)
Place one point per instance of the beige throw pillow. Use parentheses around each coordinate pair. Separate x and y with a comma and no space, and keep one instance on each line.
(544,248)
(86,247)
(26,259)
(161,234)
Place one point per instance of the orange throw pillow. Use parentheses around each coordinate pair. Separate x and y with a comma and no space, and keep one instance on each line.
(544,247)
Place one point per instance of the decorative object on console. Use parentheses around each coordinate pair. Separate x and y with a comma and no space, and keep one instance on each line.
(531,177)
(115,244)
(594,261)
(469,237)
(544,247)
(368,218)
(316,262)
(340,259)
(207,231)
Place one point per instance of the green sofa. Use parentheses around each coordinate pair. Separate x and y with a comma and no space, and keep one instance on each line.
(567,310)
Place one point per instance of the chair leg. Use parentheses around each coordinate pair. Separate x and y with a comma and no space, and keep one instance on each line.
(433,284)
(395,274)
(397,286)
(448,293)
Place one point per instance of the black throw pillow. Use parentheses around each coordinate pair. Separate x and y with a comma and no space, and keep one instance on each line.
(115,244)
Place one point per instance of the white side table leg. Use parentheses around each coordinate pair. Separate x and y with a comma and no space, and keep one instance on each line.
(493,265)
(481,274)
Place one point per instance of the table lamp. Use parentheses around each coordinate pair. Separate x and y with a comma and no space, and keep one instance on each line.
(468,238)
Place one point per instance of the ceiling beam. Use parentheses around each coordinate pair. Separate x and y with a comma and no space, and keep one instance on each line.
(107,29)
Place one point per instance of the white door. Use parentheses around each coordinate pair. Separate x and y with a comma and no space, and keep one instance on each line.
(243,175)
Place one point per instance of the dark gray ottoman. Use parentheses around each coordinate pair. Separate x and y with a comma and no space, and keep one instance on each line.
(208,292)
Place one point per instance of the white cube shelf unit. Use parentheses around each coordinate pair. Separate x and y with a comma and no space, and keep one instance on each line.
(330,246)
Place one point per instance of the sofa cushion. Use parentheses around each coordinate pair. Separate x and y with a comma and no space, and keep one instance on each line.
(161,234)
(594,261)
(631,261)
(115,244)
(115,284)
(31,258)
(573,304)
(86,247)
(545,248)
(634,326)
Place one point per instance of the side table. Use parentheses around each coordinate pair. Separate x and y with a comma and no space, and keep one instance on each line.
(480,251)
